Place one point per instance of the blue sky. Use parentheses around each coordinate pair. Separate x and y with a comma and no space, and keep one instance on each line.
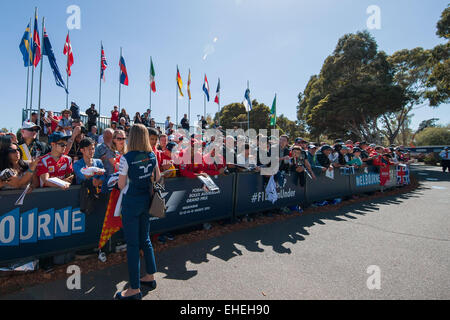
(276,45)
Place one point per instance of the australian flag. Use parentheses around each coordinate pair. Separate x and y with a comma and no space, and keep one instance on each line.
(48,51)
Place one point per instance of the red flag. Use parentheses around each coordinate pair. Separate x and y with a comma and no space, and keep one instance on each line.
(111,224)
(68,52)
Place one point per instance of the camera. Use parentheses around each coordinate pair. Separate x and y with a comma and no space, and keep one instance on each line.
(6,174)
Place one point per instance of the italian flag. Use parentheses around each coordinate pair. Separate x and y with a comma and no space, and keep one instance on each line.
(152,77)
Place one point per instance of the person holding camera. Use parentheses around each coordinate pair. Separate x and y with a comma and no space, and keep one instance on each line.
(30,147)
(14,172)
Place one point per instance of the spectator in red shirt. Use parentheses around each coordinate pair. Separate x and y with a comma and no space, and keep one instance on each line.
(115,114)
(55,164)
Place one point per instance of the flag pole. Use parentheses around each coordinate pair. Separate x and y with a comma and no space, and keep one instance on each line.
(218,113)
(120,72)
(248,111)
(100,90)
(150,106)
(176,114)
(204,105)
(67,72)
(33,67)
(28,69)
(189,101)
(40,77)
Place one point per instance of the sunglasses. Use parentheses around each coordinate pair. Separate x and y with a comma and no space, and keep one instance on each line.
(32,130)
(11,150)
(62,145)
(121,139)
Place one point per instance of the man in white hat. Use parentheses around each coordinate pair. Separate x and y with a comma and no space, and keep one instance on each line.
(31,148)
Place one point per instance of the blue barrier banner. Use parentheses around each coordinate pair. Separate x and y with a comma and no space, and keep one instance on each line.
(251,196)
(369,180)
(324,188)
(49,222)
(188,204)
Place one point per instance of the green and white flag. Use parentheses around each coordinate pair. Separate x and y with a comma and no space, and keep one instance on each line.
(273,112)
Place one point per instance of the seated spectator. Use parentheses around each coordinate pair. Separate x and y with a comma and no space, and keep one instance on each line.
(87,147)
(66,122)
(137,118)
(124,114)
(93,134)
(20,173)
(162,142)
(55,164)
(106,153)
(54,120)
(114,125)
(74,142)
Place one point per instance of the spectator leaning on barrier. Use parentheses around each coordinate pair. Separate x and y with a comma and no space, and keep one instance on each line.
(185,123)
(30,147)
(315,166)
(55,164)
(322,157)
(20,173)
(87,147)
(445,159)
(356,160)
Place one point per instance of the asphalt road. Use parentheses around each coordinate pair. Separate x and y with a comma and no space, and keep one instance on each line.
(320,256)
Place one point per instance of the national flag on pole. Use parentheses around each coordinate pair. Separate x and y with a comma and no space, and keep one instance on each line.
(247,102)
(217,99)
(47,50)
(273,112)
(36,43)
(189,85)
(179,82)
(123,72)
(152,76)
(103,65)
(25,47)
(68,52)
(206,87)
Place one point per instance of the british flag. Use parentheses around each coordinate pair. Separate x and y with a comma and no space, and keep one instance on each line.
(402,174)
(103,65)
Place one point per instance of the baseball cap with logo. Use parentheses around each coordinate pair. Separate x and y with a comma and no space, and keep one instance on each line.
(30,125)
(57,136)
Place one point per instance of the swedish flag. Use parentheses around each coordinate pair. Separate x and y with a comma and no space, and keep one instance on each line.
(25,47)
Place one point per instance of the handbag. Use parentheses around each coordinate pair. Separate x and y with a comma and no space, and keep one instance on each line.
(158,206)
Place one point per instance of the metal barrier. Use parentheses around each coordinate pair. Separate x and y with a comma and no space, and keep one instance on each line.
(102,121)
(50,221)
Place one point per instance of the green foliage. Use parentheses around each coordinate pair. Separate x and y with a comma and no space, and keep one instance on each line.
(431,159)
(290,128)
(236,112)
(443,25)
(354,88)
(433,136)
(439,80)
